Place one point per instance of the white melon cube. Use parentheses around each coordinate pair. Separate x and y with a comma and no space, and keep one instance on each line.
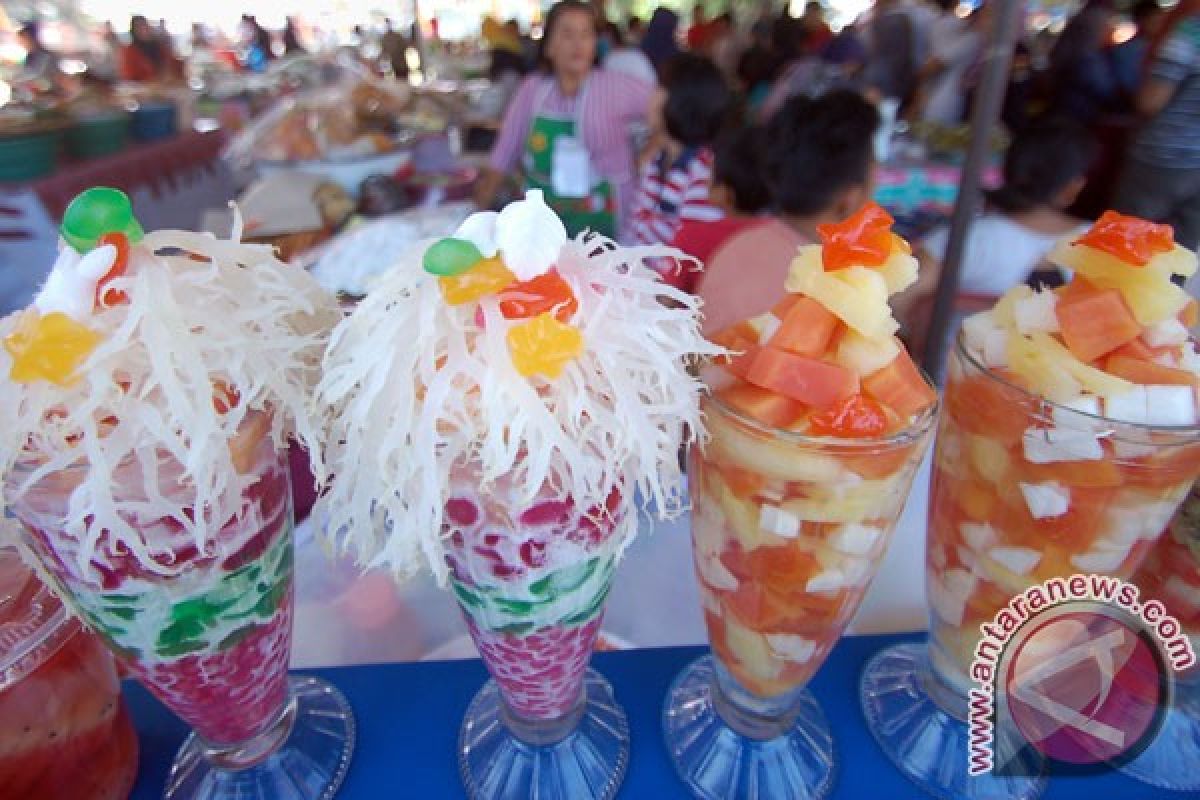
(714,573)
(1098,560)
(1167,333)
(1170,405)
(779,522)
(856,570)
(1046,500)
(1019,560)
(985,339)
(1036,313)
(960,582)
(830,580)
(948,597)
(1084,403)
(979,536)
(1127,406)
(791,647)
(995,349)
(856,539)
(1047,445)
(968,558)
(765,326)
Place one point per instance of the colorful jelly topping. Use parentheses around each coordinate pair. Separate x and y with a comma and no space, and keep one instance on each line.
(524,240)
(95,212)
(1132,240)
(863,239)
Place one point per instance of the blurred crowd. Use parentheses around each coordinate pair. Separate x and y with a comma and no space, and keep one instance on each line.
(733,138)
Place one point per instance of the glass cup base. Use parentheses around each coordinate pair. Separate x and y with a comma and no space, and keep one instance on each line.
(925,742)
(1177,744)
(717,762)
(317,732)
(586,762)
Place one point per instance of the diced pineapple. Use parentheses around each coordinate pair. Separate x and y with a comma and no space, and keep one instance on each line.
(1148,290)
(899,271)
(770,459)
(881,499)
(988,457)
(741,518)
(752,650)
(1041,369)
(857,295)
(1004,312)
(866,355)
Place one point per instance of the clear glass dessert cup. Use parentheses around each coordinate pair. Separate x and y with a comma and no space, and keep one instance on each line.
(212,639)
(1171,575)
(531,576)
(1103,491)
(788,531)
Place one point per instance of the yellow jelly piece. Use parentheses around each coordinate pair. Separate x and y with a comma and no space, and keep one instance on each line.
(487,277)
(49,348)
(543,345)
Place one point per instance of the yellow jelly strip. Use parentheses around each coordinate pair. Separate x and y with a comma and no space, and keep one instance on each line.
(49,348)
(486,277)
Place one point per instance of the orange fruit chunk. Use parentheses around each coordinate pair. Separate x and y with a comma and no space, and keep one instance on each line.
(547,292)
(862,240)
(1095,323)
(1135,241)
(900,387)
(808,380)
(856,417)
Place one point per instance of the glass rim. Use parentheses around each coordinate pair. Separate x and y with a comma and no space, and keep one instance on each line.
(960,347)
(910,433)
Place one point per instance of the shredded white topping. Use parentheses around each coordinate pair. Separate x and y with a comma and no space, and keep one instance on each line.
(413,386)
(236,315)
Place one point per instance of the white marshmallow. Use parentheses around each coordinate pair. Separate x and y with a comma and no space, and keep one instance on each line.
(779,522)
(1036,313)
(1046,500)
(1084,403)
(1170,405)
(530,236)
(1128,406)
(480,230)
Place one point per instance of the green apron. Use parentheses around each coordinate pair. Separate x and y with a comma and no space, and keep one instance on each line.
(596,211)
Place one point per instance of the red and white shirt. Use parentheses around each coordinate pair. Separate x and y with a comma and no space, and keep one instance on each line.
(669,194)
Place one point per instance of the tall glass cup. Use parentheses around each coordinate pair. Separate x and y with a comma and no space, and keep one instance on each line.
(788,531)
(1171,575)
(1023,490)
(210,635)
(531,576)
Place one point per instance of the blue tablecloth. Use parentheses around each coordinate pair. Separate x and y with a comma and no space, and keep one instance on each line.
(408,717)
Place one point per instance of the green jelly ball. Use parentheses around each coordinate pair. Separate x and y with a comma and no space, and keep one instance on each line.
(95,212)
(451,257)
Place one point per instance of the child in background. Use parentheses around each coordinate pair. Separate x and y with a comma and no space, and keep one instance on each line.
(686,117)
(738,190)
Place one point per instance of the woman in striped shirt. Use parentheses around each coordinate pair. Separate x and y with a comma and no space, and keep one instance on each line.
(568,128)
(687,115)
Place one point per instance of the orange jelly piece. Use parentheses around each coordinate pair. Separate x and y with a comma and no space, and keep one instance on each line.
(861,240)
(856,417)
(105,297)
(1131,239)
(486,277)
(548,292)
(543,346)
(49,348)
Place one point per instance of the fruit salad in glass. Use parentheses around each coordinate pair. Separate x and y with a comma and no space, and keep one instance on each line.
(149,393)
(495,406)
(817,424)
(1069,437)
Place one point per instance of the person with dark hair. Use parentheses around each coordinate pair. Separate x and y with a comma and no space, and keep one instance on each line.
(954,47)
(1044,170)
(39,62)
(567,127)
(146,58)
(634,29)
(738,190)
(626,59)
(659,43)
(818,165)
(817,33)
(1161,179)
(1083,82)
(891,69)
(1129,56)
(291,38)
(686,116)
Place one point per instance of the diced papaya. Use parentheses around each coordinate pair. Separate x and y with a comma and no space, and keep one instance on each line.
(877,464)
(1165,469)
(1147,373)
(757,608)
(1141,351)
(1096,323)
(806,329)
(812,382)
(742,482)
(1074,530)
(762,405)
(785,569)
(782,308)
(980,404)
(900,386)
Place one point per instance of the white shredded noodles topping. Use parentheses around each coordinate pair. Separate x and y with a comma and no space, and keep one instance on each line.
(145,395)
(413,387)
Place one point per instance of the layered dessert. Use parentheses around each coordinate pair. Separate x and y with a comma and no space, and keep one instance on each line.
(148,394)
(817,424)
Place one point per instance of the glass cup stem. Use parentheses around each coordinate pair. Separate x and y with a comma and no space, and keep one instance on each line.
(258,748)
(753,716)
(539,732)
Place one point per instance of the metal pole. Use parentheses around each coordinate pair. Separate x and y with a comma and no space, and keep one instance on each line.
(997,59)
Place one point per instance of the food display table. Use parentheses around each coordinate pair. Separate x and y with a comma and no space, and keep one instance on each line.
(408,717)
